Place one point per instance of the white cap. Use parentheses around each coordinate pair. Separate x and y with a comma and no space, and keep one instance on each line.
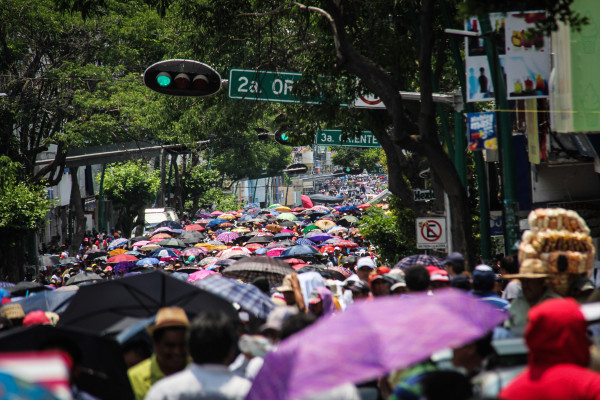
(365,262)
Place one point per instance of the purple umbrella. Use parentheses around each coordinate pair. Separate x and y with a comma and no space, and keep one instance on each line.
(319,237)
(382,340)
(227,237)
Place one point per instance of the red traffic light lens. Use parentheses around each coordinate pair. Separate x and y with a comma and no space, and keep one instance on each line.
(200,82)
(182,81)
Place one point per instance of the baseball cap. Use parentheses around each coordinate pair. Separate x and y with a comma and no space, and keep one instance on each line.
(483,274)
(365,262)
(36,318)
(454,258)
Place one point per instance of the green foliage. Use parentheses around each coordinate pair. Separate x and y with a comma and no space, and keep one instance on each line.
(368,159)
(23,206)
(131,185)
(392,232)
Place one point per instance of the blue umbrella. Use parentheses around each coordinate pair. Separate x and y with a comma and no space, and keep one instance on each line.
(49,300)
(134,253)
(305,241)
(16,388)
(116,243)
(251,205)
(248,296)
(148,261)
(301,250)
(215,222)
(261,251)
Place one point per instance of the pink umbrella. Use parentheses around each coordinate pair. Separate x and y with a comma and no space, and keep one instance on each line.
(193,251)
(383,339)
(227,237)
(234,251)
(286,231)
(275,252)
(199,275)
(140,243)
(217,213)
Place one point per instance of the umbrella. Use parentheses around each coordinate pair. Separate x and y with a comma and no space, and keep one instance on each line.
(274,206)
(227,237)
(14,387)
(274,227)
(324,224)
(253,246)
(249,268)
(207,260)
(162,235)
(240,229)
(164,229)
(50,260)
(363,206)
(171,243)
(321,270)
(345,209)
(382,340)
(228,217)
(194,227)
(261,239)
(121,257)
(215,222)
(116,252)
(346,243)
(116,243)
(84,276)
(423,259)
(140,243)
(199,275)
(96,308)
(305,241)
(310,228)
(337,230)
(345,272)
(48,300)
(164,253)
(283,209)
(104,373)
(91,255)
(275,252)
(148,261)
(286,243)
(192,235)
(193,251)
(150,247)
(288,224)
(300,250)
(24,288)
(234,251)
(249,297)
(287,217)
(169,224)
(318,236)
(282,235)
(215,213)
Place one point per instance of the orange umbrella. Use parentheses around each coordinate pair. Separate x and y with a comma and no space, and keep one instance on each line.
(120,258)
(161,235)
(363,206)
(274,228)
(116,252)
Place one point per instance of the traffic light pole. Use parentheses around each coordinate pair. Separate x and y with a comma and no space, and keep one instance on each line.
(511,223)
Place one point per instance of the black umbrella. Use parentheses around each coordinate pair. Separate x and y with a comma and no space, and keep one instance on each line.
(261,239)
(97,308)
(289,224)
(284,235)
(85,276)
(249,268)
(103,375)
(168,224)
(95,254)
(25,287)
(48,260)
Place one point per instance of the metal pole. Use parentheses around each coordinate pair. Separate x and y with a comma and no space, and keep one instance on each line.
(100,222)
(511,204)
(460,141)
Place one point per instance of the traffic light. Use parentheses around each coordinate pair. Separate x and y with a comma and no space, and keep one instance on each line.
(296,169)
(283,138)
(182,78)
(263,134)
(353,170)
(339,172)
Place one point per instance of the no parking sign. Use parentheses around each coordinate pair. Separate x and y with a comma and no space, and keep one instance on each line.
(431,233)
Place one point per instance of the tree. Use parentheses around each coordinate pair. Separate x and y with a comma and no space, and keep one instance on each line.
(131,186)
(23,209)
(368,159)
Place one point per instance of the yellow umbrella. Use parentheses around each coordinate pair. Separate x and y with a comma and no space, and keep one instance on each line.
(203,245)
(116,252)
(241,229)
(283,209)
(325,224)
(228,217)
(274,228)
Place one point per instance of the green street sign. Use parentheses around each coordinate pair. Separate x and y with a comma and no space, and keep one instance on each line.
(333,137)
(249,84)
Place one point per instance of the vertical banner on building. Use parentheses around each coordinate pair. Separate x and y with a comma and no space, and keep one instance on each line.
(524,57)
(532,131)
(481,128)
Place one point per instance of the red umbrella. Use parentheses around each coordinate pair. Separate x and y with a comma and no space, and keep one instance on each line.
(363,206)
(254,246)
(121,257)
(162,235)
(298,209)
(346,243)
(194,227)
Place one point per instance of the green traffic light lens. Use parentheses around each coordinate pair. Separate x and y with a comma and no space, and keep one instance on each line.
(163,79)
(284,136)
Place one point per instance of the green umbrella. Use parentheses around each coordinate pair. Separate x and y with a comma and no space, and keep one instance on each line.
(310,228)
(348,220)
(272,206)
(287,217)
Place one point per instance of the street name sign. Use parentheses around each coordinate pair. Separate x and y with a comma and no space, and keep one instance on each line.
(274,86)
(431,233)
(333,137)
(423,194)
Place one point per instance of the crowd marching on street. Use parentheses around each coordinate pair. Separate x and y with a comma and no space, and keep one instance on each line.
(292,303)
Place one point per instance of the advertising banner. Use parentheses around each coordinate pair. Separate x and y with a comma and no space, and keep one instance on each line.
(481,128)
(524,57)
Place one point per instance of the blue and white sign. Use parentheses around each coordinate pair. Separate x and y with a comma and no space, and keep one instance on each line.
(481,128)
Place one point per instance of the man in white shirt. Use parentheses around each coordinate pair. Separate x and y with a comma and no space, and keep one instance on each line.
(212,341)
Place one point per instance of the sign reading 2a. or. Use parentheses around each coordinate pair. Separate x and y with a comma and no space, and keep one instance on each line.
(431,233)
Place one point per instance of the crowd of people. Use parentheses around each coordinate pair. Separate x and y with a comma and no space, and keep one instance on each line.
(322,268)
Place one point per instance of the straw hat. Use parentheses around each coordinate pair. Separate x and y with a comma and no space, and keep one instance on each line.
(12,311)
(531,268)
(169,317)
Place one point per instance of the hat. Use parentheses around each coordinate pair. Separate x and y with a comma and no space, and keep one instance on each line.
(169,317)
(286,285)
(336,248)
(109,268)
(375,277)
(36,318)
(12,311)
(437,276)
(397,285)
(365,262)
(531,268)
(483,275)
(454,258)
(169,268)
(314,298)
(53,317)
